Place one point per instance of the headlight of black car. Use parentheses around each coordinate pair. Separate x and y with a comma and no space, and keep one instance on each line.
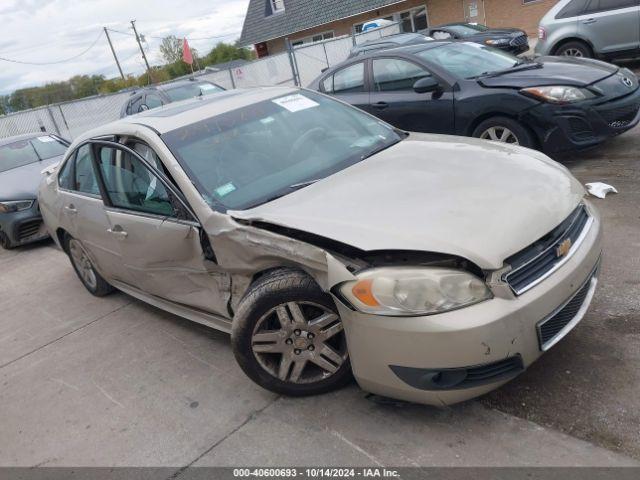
(496,42)
(559,94)
(11,206)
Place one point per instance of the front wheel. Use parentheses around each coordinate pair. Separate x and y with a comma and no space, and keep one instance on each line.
(288,338)
(504,130)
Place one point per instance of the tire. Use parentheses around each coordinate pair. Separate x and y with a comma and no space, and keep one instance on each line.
(280,334)
(5,242)
(574,49)
(90,278)
(505,130)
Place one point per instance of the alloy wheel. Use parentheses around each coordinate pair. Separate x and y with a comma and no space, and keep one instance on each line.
(572,52)
(300,342)
(83,264)
(500,134)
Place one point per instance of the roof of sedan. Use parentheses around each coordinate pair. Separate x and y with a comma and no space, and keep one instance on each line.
(178,114)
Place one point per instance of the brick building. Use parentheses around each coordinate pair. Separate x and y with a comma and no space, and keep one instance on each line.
(269,22)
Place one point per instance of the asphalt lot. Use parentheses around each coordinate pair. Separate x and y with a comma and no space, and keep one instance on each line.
(114,382)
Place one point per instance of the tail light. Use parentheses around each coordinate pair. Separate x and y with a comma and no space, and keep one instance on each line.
(542,33)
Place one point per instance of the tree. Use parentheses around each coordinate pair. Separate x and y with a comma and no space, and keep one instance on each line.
(171,49)
(225,52)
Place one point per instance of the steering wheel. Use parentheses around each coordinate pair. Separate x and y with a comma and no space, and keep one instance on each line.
(304,138)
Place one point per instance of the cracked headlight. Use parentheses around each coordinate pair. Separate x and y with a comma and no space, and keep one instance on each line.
(11,206)
(558,94)
(408,291)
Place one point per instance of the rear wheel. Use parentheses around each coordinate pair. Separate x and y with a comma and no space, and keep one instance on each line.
(504,130)
(90,278)
(574,49)
(288,338)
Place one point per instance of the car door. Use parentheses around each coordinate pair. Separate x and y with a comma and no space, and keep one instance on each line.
(349,85)
(83,214)
(611,25)
(158,237)
(394,100)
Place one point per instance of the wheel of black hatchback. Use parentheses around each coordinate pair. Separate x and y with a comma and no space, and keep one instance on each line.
(82,264)
(288,338)
(504,130)
(574,49)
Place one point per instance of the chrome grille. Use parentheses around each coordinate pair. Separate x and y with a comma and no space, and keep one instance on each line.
(536,262)
(555,326)
(519,41)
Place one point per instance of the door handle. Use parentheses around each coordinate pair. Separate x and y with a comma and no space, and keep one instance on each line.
(71,209)
(117,231)
(380,105)
(589,21)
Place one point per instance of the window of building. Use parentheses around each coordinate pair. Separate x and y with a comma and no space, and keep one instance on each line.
(410,20)
(318,37)
(277,6)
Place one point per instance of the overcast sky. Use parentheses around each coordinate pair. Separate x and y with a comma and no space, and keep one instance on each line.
(51,30)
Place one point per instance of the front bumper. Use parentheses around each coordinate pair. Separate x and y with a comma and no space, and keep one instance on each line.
(577,127)
(23,227)
(480,337)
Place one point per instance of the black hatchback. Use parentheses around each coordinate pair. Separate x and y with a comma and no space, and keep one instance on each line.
(553,103)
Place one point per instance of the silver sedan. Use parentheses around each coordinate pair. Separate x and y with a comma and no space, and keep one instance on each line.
(329,244)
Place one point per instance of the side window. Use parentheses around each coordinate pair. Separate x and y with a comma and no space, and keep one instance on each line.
(134,106)
(349,80)
(65,177)
(572,9)
(606,5)
(153,101)
(131,185)
(327,84)
(393,74)
(85,176)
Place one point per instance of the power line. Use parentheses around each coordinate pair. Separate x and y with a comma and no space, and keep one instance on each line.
(57,61)
(162,38)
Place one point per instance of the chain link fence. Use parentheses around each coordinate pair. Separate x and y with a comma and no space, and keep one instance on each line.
(298,66)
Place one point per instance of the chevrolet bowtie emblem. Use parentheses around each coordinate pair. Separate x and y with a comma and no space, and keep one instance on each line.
(562,250)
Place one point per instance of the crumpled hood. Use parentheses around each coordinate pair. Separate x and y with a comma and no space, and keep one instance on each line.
(577,72)
(22,183)
(475,199)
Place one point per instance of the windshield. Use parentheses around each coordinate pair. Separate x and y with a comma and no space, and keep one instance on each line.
(466,30)
(468,60)
(183,92)
(254,154)
(24,152)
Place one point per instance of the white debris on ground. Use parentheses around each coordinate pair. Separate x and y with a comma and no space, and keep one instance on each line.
(599,189)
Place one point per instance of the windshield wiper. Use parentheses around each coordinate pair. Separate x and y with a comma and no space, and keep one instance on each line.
(518,67)
(296,186)
(287,191)
(379,149)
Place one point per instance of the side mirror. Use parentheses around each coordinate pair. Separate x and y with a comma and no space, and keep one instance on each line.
(426,85)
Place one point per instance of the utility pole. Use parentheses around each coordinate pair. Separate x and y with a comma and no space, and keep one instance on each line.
(144,57)
(106,32)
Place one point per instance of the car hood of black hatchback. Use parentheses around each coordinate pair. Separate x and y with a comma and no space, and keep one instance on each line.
(577,72)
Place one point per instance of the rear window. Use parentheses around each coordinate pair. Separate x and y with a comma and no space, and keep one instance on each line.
(24,152)
(183,92)
(572,9)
